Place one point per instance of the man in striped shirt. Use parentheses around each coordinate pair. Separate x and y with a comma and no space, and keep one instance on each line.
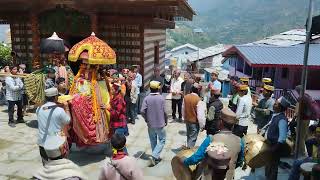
(14,87)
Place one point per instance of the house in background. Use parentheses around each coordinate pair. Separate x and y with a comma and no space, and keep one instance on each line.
(282,64)
(178,55)
(207,58)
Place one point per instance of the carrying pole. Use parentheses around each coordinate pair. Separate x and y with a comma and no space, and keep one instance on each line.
(299,139)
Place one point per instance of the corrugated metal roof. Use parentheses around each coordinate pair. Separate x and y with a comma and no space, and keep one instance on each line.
(204,53)
(275,55)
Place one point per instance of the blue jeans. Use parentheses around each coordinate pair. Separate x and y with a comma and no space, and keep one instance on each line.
(192,133)
(154,135)
(295,170)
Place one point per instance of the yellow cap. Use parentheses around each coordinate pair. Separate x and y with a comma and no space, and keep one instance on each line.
(155,84)
(244,79)
(243,87)
(266,80)
(268,87)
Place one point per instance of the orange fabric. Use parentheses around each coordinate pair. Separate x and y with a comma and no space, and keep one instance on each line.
(123,89)
(190,108)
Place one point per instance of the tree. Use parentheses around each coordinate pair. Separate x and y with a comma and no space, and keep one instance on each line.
(5,55)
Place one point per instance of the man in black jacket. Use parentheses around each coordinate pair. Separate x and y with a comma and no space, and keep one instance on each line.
(214,110)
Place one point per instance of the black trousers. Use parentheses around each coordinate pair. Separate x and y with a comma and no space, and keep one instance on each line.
(11,110)
(240,130)
(175,103)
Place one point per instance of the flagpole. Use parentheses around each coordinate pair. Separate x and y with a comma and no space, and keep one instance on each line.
(299,139)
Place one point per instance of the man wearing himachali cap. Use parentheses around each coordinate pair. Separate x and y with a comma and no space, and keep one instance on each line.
(153,112)
(276,136)
(225,135)
(243,111)
(51,119)
(264,110)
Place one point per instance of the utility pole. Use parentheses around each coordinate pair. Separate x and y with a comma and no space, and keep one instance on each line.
(299,139)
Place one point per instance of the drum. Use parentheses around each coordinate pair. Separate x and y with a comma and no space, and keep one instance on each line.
(250,138)
(306,168)
(256,151)
(180,171)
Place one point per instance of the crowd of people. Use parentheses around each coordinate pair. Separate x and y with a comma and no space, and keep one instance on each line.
(199,107)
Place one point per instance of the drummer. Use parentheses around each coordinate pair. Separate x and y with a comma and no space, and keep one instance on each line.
(295,171)
(233,143)
(276,136)
(263,111)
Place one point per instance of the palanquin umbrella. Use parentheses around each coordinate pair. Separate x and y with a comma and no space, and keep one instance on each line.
(93,50)
(53,44)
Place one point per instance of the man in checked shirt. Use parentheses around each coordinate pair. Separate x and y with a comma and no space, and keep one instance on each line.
(14,87)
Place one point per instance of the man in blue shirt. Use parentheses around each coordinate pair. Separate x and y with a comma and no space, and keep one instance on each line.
(276,136)
(234,144)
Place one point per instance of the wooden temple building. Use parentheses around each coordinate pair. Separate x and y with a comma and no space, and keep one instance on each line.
(135,29)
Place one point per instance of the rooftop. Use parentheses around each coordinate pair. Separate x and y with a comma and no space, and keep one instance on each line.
(208,52)
(275,56)
(288,38)
(191,46)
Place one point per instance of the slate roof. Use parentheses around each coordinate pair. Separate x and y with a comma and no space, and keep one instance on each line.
(288,38)
(271,56)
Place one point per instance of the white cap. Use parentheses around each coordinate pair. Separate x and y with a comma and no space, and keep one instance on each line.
(51,92)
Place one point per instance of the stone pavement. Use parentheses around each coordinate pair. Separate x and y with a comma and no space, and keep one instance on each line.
(19,155)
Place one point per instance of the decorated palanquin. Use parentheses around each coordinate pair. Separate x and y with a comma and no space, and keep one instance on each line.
(89,92)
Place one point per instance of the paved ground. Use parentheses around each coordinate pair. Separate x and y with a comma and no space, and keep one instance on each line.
(19,155)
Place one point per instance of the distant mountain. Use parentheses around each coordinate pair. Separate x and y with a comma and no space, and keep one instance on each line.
(242,21)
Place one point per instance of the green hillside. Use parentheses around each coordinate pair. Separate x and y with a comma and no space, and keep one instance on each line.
(240,21)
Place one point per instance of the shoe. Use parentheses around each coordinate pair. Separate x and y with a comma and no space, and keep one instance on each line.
(20,121)
(154,161)
(180,120)
(284,165)
(133,122)
(11,124)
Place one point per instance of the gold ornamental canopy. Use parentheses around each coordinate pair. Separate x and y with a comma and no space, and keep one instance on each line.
(93,50)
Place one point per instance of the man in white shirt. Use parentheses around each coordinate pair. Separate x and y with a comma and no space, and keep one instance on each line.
(139,83)
(214,85)
(243,112)
(176,91)
(51,119)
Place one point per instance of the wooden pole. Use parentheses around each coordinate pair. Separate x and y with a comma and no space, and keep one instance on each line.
(299,139)
(35,40)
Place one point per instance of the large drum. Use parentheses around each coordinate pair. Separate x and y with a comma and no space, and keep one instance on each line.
(257,152)
(180,171)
